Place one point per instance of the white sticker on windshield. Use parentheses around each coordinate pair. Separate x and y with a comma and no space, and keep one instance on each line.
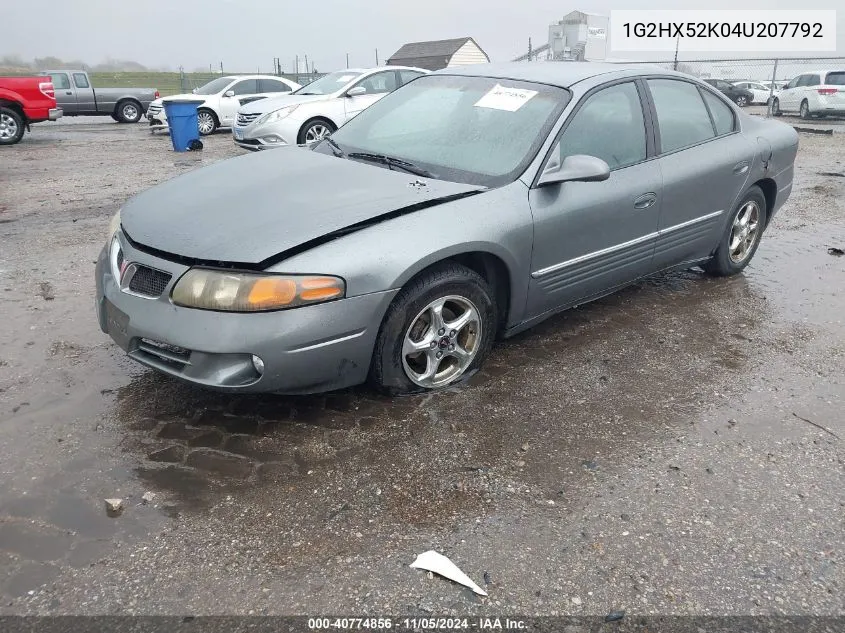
(345,78)
(504,98)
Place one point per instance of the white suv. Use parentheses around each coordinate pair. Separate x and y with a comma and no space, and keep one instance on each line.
(222,98)
(816,93)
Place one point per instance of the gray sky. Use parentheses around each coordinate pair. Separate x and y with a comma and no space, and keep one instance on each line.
(245,34)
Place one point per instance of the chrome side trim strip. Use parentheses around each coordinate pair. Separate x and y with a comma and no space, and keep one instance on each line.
(684,225)
(618,247)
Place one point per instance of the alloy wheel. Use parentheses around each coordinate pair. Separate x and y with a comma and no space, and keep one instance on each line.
(744,232)
(205,122)
(8,127)
(317,132)
(441,342)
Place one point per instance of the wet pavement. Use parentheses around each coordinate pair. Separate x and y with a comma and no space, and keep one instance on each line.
(674,448)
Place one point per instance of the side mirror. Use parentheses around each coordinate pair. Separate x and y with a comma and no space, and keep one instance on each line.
(578,168)
(356,91)
(229,93)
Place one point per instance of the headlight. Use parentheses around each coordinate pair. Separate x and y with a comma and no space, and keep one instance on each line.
(253,292)
(276,115)
(114,225)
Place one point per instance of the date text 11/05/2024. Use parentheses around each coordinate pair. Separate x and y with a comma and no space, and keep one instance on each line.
(417,624)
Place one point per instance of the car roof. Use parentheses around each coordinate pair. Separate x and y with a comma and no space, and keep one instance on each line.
(563,74)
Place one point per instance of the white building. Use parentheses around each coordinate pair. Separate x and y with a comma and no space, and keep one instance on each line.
(579,36)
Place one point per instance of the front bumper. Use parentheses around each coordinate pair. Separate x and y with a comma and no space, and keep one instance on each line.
(267,136)
(304,350)
(55,114)
(156,117)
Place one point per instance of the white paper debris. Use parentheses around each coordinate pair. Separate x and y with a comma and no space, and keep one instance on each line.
(439,564)
(503,98)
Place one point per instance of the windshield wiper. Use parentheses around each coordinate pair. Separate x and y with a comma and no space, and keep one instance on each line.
(392,162)
(305,93)
(339,153)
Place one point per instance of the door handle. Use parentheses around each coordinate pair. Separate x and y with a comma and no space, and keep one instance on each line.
(69,93)
(741,168)
(645,201)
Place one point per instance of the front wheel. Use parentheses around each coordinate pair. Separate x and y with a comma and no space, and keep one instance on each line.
(776,107)
(742,237)
(742,101)
(206,122)
(314,131)
(438,331)
(11,126)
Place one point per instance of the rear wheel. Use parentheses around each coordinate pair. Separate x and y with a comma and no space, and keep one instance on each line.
(805,110)
(128,111)
(206,122)
(438,331)
(741,101)
(776,107)
(11,126)
(742,237)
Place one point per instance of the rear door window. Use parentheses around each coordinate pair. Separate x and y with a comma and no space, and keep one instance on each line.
(682,118)
(723,116)
(80,80)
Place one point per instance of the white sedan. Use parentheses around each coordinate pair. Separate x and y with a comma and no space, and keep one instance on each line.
(318,109)
(222,98)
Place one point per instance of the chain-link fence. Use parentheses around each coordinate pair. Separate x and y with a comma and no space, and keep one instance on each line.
(763,77)
(171,83)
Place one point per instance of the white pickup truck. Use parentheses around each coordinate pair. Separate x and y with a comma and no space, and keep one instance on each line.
(222,98)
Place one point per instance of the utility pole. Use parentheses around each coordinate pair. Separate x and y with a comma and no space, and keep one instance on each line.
(677,44)
(221,68)
(347,60)
(772,90)
(530,50)
(376,57)
(306,65)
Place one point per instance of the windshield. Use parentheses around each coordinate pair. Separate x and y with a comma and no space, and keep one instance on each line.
(213,87)
(476,130)
(328,84)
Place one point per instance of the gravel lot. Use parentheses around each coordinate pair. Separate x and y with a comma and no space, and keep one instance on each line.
(676,448)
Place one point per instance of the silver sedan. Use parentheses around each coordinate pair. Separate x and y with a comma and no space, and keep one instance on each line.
(466,206)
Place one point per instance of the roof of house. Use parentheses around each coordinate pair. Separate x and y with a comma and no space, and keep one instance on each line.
(424,54)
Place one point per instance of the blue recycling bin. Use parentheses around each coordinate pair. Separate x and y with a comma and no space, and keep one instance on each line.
(182,120)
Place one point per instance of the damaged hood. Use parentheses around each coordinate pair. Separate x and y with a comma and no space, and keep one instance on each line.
(251,208)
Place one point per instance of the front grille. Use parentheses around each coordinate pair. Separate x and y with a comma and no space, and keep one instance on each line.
(249,141)
(149,281)
(246,119)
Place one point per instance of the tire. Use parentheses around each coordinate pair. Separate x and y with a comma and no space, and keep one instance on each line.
(458,290)
(207,122)
(725,261)
(741,101)
(128,111)
(11,126)
(315,130)
(115,117)
(776,111)
(804,112)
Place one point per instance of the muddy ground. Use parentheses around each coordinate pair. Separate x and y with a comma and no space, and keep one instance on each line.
(675,448)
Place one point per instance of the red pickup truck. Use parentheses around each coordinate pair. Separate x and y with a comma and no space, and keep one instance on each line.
(25,100)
